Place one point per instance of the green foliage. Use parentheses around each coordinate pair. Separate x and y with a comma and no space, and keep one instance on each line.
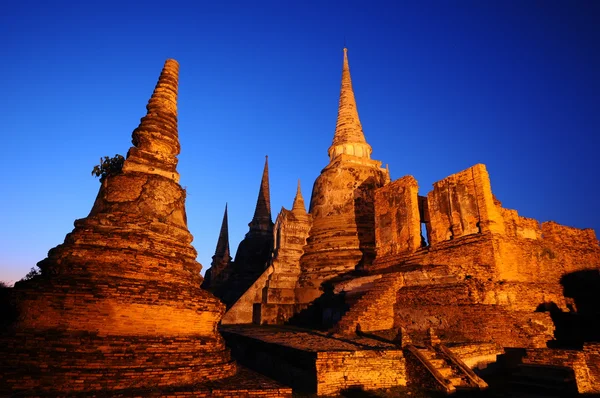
(108,167)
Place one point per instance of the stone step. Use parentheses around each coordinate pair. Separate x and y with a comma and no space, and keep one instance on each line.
(438,363)
(445,371)
(378,294)
(429,354)
(457,381)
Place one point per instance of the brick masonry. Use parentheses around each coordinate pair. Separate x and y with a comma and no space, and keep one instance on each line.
(118,308)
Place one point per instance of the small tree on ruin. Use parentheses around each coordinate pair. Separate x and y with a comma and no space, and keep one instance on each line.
(108,167)
(33,272)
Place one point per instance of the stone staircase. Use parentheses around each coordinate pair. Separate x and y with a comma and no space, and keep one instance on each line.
(373,309)
(449,372)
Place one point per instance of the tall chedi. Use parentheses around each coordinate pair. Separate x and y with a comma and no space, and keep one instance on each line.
(118,305)
(219,269)
(254,252)
(342,238)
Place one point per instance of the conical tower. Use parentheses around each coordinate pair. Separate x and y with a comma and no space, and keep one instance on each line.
(262,222)
(254,252)
(222,250)
(298,208)
(342,201)
(118,305)
(221,261)
(349,137)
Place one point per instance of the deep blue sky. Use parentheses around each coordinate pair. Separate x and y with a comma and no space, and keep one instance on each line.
(440,86)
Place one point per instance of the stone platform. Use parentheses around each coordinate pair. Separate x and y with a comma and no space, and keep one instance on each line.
(245,383)
(315,362)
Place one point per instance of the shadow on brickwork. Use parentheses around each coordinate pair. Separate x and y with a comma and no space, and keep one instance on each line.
(8,313)
(364,216)
(324,312)
(583,287)
(581,322)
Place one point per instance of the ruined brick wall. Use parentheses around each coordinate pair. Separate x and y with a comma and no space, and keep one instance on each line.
(462,308)
(505,267)
(477,356)
(397,220)
(472,255)
(462,210)
(341,370)
(560,250)
(576,249)
(569,236)
(574,359)
(523,296)
(462,204)
(592,360)
(469,264)
(477,323)
(519,227)
(313,362)
(292,366)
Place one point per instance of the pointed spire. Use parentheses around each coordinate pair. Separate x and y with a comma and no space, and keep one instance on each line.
(298,206)
(348,137)
(262,213)
(222,251)
(155,140)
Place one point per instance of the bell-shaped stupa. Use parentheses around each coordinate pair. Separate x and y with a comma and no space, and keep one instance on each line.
(118,306)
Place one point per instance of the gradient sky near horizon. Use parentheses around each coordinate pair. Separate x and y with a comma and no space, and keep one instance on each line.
(440,86)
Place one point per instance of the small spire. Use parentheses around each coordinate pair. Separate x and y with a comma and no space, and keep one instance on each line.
(222,250)
(156,140)
(348,129)
(262,213)
(299,201)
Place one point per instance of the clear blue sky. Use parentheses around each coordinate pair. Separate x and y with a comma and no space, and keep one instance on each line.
(440,86)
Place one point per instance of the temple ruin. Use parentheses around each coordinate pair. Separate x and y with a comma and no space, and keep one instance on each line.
(482,278)
(376,286)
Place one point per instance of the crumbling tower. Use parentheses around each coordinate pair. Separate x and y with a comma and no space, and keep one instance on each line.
(118,305)
(341,237)
(291,231)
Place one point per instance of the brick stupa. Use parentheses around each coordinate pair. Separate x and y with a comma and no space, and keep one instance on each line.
(118,305)
(342,201)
